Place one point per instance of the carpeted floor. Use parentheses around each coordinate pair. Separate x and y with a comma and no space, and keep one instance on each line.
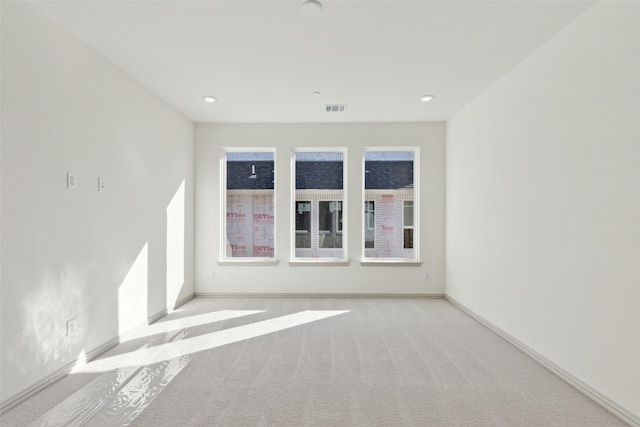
(313,362)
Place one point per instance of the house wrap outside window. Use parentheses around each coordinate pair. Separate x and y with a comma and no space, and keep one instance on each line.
(319,208)
(248,199)
(390,215)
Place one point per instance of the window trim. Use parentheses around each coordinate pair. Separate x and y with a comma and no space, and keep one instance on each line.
(327,260)
(415,260)
(223,259)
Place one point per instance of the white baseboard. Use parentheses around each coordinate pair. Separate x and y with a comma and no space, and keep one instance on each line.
(615,408)
(57,375)
(316,295)
(183,301)
(159,315)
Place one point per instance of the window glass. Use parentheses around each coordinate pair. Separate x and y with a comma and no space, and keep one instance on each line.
(408,224)
(369,223)
(330,224)
(249,229)
(319,203)
(303,224)
(389,209)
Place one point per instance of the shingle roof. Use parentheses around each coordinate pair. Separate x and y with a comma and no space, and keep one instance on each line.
(323,175)
(388,175)
(383,175)
(239,172)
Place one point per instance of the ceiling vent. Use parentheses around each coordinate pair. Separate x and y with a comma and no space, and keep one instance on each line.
(335,108)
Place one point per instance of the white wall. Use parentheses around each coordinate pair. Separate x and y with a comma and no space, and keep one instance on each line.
(102,258)
(543,202)
(354,278)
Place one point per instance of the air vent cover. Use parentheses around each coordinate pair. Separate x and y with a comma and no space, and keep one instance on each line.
(335,108)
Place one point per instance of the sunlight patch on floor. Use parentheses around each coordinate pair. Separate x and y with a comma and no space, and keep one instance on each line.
(171,350)
(161,327)
(130,382)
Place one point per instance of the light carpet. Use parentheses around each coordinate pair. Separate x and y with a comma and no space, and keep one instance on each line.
(313,362)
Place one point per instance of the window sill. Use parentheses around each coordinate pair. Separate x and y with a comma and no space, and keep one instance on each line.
(249,261)
(400,262)
(319,261)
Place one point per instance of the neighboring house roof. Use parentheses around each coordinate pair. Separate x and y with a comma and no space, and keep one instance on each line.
(240,175)
(322,175)
(388,175)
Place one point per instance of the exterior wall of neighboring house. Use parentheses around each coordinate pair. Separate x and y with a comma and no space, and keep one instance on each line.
(250,205)
(388,231)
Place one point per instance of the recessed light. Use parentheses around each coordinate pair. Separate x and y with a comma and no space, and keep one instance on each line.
(426,98)
(210,99)
(311,7)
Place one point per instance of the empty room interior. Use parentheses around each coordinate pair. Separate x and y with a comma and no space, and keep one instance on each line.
(328,213)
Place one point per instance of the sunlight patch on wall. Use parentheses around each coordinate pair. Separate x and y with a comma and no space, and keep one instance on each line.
(175,246)
(132,293)
(58,298)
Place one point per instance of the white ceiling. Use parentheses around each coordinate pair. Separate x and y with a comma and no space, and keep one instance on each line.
(264,59)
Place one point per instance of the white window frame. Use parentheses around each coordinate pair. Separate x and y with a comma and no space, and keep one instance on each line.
(223,258)
(366,196)
(316,196)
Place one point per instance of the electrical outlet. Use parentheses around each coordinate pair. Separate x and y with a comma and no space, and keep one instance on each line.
(212,274)
(427,276)
(72,327)
(102,184)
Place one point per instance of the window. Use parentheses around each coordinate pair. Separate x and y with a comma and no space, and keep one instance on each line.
(319,203)
(390,214)
(248,204)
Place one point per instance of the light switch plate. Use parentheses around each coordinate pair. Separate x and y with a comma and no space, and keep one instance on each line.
(72,181)
(72,327)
